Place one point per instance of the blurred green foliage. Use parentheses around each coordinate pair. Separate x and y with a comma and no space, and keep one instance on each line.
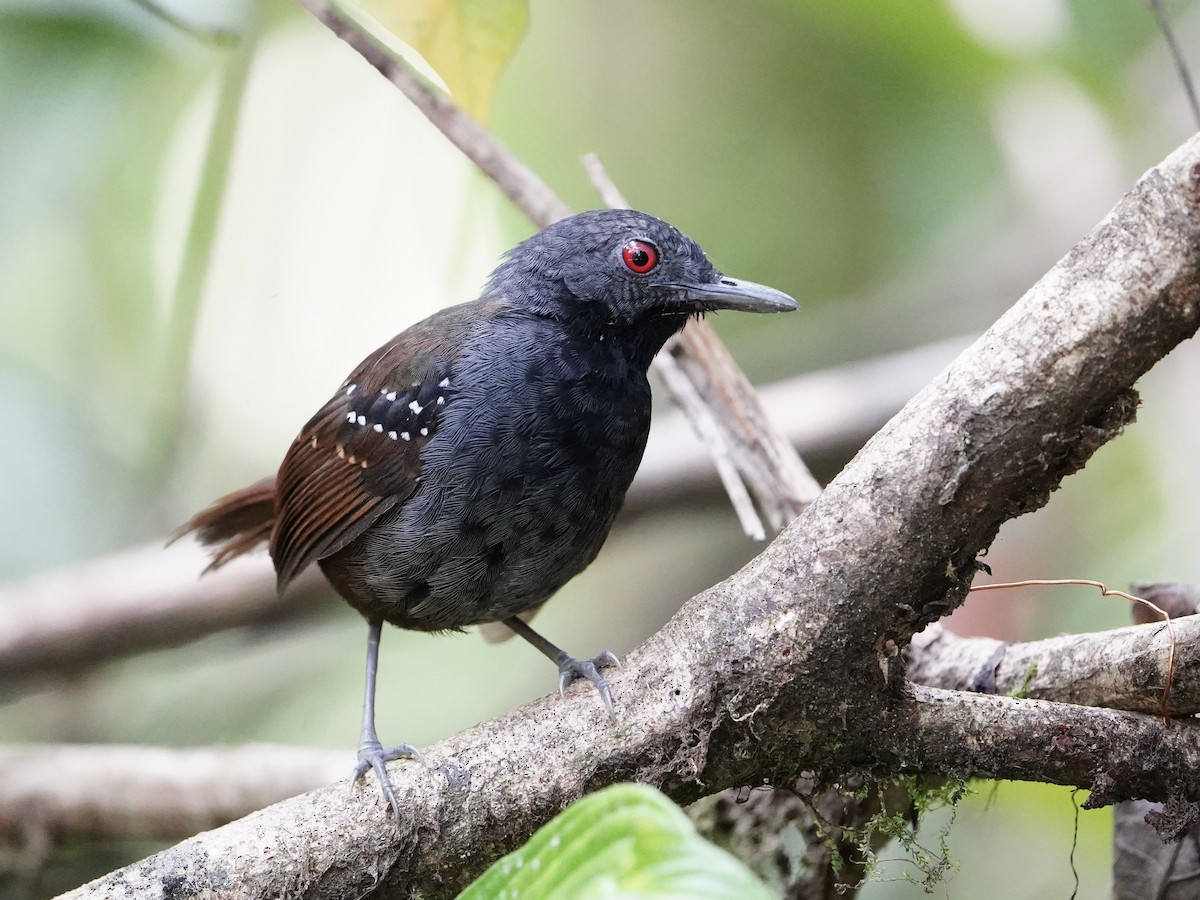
(905,169)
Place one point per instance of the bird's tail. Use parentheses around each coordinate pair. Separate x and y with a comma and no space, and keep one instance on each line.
(237,523)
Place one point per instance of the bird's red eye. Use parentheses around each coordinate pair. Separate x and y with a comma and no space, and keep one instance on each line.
(640,256)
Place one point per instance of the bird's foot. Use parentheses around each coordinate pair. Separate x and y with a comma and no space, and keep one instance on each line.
(372,755)
(571,669)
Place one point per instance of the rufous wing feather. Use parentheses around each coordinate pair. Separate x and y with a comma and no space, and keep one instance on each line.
(360,455)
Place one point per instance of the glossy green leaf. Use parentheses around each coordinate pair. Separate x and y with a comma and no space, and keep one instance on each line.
(626,841)
(468,42)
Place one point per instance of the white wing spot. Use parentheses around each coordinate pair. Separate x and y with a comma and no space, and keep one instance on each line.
(362,420)
(393,435)
(351,389)
(350,417)
(391,394)
(424,432)
(441,401)
(405,436)
(444,383)
(416,408)
(378,428)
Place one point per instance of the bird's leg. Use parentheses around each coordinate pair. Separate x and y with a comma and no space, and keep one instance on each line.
(569,668)
(371,754)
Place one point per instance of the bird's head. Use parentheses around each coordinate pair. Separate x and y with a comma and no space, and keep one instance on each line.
(625,268)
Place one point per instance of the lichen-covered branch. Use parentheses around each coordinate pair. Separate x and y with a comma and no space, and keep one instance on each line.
(1118,755)
(1125,668)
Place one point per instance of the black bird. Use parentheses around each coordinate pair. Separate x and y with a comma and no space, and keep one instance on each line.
(471,466)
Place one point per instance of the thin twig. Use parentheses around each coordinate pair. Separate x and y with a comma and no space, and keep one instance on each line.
(700,415)
(603,183)
(207,205)
(1181,67)
(1104,592)
(520,183)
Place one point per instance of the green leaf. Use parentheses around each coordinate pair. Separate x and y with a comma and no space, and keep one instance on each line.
(468,42)
(626,841)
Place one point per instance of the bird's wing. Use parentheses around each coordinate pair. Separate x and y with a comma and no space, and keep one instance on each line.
(359,456)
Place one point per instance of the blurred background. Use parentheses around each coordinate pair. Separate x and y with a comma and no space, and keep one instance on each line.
(905,169)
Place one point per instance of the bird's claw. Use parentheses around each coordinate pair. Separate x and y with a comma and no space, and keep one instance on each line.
(571,669)
(372,755)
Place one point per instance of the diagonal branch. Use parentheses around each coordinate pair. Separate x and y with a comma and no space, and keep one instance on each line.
(518,182)
(794,662)
(329,843)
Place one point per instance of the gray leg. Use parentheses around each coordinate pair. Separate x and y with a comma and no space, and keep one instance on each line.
(371,754)
(569,668)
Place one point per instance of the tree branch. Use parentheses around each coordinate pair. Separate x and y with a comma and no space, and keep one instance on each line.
(126,792)
(794,662)
(828,414)
(519,183)
(60,623)
(1116,754)
(1121,669)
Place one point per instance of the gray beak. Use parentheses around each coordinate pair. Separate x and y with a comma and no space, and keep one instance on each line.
(732,293)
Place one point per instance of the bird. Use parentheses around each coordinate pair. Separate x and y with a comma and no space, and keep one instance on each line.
(472,465)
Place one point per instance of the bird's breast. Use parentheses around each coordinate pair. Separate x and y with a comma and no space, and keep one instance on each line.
(519,486)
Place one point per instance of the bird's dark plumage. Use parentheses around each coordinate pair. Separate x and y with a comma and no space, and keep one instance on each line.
(472,465)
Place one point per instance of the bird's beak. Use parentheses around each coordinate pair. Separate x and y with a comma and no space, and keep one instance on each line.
(732,293)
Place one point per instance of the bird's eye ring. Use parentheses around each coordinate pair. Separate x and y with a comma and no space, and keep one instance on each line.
(639,256)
